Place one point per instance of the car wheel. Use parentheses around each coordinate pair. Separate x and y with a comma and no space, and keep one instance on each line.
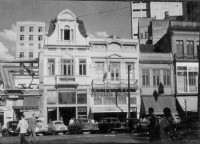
(53,132)
(80,131)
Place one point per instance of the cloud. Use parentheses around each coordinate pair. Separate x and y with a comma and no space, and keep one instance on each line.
(101,34)
(9,35)
(4,55)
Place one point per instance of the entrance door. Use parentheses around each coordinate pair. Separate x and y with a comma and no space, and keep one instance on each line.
(67,113)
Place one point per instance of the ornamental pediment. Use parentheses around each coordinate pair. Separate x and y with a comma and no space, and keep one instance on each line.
(66,15)
(115,56)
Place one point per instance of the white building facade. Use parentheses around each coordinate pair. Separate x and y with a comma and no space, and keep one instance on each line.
(71,66)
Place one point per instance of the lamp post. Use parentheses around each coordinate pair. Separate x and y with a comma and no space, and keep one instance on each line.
(129,104)
(185,107)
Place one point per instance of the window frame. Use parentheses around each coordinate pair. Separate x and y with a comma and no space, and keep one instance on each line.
(31,29)
(156,77)
(145,77)
(82,67)
(51,66)
(166,77)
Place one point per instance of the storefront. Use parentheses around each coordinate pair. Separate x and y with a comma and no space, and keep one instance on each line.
(66,103)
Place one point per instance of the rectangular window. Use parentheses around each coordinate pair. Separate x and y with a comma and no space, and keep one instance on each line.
(21,44)
(30,54)
(145,77)
(21,54)
(66,34)
(97,98)
(51,66)
(30,37)
(166,77)
(39,37)
(21,37)
(179,49)
(114,71)
(82,67)
(156,77)
(82,112)
(109,98)
(30,29)
(21,28)
(52,97)
(81,97)
(190,49)
(99,70)
(67,67)
(121,98)
(182,79)
(40,29)
(68,97)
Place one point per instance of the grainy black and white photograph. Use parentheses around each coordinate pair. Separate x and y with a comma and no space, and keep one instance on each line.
(99,71)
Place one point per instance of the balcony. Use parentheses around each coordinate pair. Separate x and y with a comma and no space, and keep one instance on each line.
(114,85)
(186,57)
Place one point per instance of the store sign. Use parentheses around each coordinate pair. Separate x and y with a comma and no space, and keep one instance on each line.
(13,96)
(66,79)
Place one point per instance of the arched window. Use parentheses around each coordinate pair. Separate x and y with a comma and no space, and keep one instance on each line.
(66,33)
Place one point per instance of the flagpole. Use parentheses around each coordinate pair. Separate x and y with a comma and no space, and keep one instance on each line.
(129,104)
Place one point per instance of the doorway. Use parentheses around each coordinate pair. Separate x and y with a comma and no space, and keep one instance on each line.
(66,113)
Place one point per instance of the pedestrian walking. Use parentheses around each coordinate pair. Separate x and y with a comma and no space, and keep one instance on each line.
(22,126)
(32,126)
(153,126)
(166,125)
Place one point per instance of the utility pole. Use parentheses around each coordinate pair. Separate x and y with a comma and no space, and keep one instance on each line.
(129,104)
(198,104)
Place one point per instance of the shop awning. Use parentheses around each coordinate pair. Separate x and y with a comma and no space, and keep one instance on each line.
(162,102)
(109,109)
(188,101)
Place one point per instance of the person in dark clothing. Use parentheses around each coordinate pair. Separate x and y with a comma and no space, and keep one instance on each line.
(153,126)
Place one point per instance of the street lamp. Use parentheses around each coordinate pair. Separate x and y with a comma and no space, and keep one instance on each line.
(129,67)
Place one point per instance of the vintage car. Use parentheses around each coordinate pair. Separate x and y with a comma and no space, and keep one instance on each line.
(10,129)
(56,127)
(109,124)
(41,128)
(130,124)
(83,125)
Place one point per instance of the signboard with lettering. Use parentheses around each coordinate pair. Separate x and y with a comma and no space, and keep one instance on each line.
(66,80)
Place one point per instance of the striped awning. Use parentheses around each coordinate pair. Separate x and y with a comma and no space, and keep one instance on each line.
(158,106)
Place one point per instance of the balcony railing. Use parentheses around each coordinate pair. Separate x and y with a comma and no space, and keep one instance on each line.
(121,84)
(186,56)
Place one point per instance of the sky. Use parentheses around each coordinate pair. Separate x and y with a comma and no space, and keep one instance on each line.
(101,18)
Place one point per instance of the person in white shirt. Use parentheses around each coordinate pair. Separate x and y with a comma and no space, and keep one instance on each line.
(23,126)
(71,121)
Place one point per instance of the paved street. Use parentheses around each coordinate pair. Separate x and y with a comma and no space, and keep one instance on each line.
(83,138)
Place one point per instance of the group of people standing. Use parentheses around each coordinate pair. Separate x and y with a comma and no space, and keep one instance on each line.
(160,131)
(28,127)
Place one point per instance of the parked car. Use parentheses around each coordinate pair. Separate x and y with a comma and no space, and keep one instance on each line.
(83,125)
(109,124)
(130,124)
(41,128)
(56,127)
(10,129)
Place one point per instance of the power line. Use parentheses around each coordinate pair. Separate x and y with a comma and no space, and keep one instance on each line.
(100,12)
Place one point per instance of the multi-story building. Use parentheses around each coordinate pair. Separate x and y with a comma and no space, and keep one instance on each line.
(156,10)
(111,58)
(30,39)
(72,67)
(156,80)
(65,70)
(182,40)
